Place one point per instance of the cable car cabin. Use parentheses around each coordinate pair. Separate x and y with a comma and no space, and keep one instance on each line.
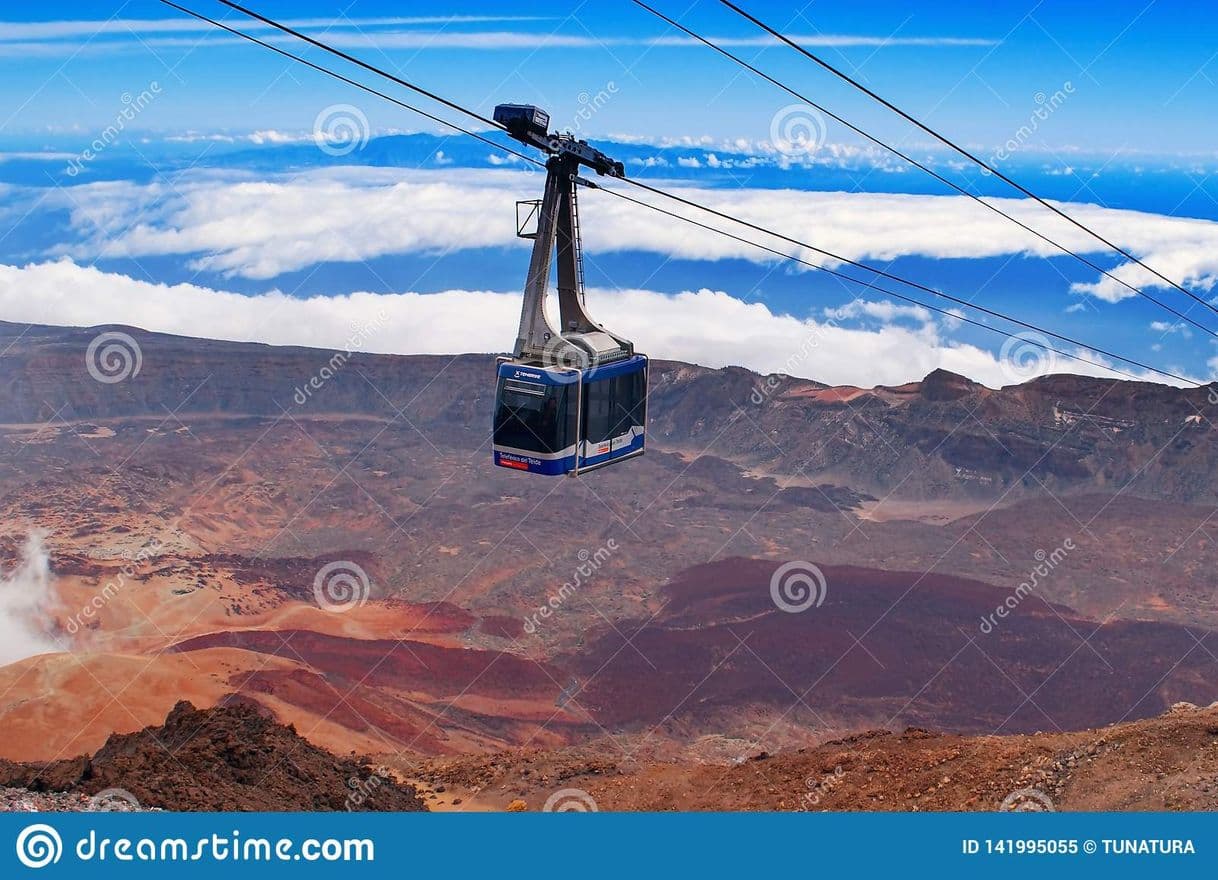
(551,420)
(573,396)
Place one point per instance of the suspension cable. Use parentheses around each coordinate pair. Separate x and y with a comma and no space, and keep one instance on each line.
(693,204)
(914,162)
(963,152)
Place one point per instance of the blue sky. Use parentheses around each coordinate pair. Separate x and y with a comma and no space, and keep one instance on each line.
(1134,65)
(1130,141)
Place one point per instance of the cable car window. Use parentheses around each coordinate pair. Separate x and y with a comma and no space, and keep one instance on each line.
(598,410)
(533,417)
(631,401)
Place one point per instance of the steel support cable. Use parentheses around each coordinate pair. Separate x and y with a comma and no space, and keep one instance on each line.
(915,163)
(963,152)
(351,82)
(690,203)
(888,292)
(356,61)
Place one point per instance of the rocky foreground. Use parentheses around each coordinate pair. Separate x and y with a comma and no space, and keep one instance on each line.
(233,757)
(1164,763)
(237,758)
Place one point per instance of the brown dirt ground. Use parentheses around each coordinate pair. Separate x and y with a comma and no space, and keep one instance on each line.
(1164,763)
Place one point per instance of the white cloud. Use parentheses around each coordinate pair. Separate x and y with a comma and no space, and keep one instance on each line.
(27,595)
(262,137)
(262,228)
(51,38)
(1167,327)
(830,41)
(706,327)
(884,310)
(14,31)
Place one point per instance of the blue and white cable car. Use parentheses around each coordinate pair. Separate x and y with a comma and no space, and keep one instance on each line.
(570,399)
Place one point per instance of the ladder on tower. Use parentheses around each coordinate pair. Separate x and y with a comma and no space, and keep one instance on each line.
(577,244)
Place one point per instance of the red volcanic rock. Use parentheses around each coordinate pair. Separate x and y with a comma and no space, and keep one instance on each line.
(502,626)
(405,665)
(942,385)
(233,757)
(923,656)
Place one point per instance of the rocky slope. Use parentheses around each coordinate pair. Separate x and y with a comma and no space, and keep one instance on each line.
(1165,763)
(233,757)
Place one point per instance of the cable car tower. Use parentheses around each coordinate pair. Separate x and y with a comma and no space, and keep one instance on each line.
(571,398)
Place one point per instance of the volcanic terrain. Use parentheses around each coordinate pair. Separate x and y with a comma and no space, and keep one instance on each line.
(190,511)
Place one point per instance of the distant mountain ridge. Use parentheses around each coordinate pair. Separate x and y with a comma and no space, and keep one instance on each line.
(942,437)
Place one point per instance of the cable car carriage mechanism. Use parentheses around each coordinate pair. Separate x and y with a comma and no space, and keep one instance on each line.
(571,399)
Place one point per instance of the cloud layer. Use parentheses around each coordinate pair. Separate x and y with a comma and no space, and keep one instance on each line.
(52,38)
(706,327)
(262,228)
